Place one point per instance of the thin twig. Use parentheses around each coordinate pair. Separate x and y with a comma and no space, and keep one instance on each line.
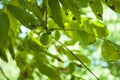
(76,58)
(4,74)
(52,29)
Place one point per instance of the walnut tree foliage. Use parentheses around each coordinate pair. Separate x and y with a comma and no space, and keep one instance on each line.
(47,23)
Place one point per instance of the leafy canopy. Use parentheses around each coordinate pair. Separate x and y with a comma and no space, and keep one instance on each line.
(47,22)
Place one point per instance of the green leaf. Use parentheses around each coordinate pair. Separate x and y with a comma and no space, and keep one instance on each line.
(77,36)
(44,39)
(65,6)
(72,6)
(57,35)
(100,29)
(22,16)
(84,41)
(22,3)
(35,45)
(110,50)
(32,6)
(46,69)
(83,58)
(83,3)
(97,8)
(71,67)
(74,27)
(114,5)
(117,6)
(3,55)
(92,39)
(96,29)
(87,26)
(14,26)
(83,38)
(89,29)
(4,27)
(21,61)
(56,12)
(11,50)
(68,54)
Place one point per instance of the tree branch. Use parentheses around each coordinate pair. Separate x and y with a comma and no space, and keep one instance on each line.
(76,58)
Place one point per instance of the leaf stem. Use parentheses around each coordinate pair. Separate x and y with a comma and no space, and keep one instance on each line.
(75,30)
(4,74)
(76,58)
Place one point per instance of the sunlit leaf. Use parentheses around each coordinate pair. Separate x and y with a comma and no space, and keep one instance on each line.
(73,25)
(56,12)
(87,26)
(74,9)
(77,36)
(51,23)
(73,29)
(38,56)
(14,26)
(92,39)
(89,29)
(4,27)
(94,28)
(35,45)
(110,50)
(100,29)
